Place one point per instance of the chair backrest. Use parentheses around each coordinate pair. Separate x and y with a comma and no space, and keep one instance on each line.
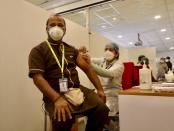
(130,75)
(127,77)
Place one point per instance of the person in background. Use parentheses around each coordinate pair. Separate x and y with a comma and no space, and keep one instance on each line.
(140,58)
(162,69)
(169,63)
(110,70)
(145,60)
(52,66)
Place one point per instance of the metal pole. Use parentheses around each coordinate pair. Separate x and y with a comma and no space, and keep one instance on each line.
(45,121)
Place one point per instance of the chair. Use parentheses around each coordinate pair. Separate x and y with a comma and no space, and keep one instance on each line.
(48,126)
(127,77)
(130,75)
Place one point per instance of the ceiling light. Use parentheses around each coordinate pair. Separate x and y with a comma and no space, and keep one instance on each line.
(167,38)
(103,26)
(114,18)
(157,17)
(163,30)
(171,48)
(130,43)
(120,36)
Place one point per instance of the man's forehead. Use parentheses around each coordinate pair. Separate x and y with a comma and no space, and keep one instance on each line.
(56,18)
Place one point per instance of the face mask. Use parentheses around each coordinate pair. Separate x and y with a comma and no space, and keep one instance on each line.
(108,55)
(167,60)
(56,33)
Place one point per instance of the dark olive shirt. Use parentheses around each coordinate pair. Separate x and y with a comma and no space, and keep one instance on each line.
(41,60)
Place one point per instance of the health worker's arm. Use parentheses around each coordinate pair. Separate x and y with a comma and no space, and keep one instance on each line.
(86,67)
(115,71)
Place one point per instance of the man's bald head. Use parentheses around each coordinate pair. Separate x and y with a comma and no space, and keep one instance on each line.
(55,21)
(54,16)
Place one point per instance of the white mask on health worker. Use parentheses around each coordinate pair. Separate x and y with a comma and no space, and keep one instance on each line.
(56,33)
(108,55)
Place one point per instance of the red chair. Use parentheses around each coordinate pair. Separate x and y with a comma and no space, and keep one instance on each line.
(136,75)
(130,75)
(127,77)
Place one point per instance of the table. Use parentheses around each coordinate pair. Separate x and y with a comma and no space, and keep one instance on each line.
(146,110)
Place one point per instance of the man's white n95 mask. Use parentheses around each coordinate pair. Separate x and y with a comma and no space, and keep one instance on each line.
(56,33)
(108,55)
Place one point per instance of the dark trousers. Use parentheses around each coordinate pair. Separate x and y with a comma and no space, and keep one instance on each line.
(96,120)
(93,108)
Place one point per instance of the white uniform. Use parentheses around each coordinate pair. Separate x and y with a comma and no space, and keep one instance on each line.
(110,76)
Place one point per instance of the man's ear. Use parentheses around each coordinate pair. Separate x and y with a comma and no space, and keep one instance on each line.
(65,30)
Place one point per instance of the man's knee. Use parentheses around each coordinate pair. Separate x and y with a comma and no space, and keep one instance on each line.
(62,126)
(103,108)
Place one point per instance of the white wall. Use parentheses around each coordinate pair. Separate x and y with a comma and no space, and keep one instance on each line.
(97,46)
(77,36)
(22,27)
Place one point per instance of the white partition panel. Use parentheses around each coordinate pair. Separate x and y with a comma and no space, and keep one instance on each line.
(22,27)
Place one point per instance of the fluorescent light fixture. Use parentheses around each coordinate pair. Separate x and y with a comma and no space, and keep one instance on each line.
(120,36)
(167,38)
(103,26)
(157,17)
(163,30)
(171,48)
(114,18)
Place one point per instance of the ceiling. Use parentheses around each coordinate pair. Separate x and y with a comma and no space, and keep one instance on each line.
(50,4)
(122,20)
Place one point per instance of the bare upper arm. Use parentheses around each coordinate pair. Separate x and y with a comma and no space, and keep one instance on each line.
(82,63)
(36,77)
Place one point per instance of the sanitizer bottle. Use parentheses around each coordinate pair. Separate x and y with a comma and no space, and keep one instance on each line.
(145,77)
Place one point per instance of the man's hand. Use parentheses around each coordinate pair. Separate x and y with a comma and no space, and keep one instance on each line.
(101,94)
(61,109)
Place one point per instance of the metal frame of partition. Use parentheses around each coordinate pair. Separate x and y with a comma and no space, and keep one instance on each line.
(88,6)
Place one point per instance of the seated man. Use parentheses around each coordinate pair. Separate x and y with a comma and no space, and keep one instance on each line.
(52,65)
